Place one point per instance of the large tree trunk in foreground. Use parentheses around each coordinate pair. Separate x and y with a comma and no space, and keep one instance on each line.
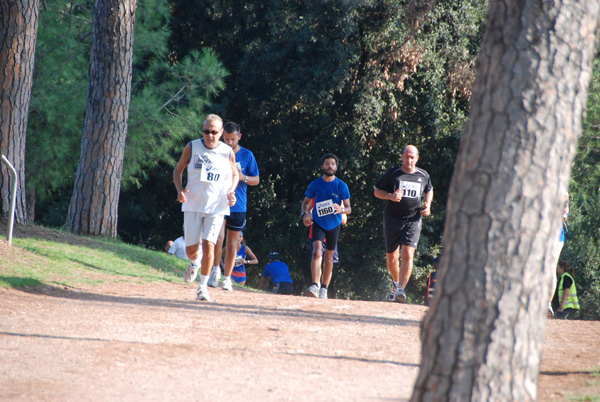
(94,203)
(483,336)
(18,35)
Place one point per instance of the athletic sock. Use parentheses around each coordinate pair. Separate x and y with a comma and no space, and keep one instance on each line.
(323,286)
(397,284)
(316,284)
(203,279)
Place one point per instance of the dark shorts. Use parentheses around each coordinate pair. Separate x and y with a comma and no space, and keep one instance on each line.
(335,252)
(331,236)
(284,288)
(398,231)
(567,314)
(236,221)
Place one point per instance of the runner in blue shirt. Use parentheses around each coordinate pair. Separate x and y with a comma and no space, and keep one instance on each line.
(235,223)
(331,200)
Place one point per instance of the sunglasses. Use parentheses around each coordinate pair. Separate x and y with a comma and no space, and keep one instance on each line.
(213,132)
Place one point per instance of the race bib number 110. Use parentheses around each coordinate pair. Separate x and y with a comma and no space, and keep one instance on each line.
(411,189)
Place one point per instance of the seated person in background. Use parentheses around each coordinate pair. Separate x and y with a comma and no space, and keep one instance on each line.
(279,273)
(176,248)
(238,275)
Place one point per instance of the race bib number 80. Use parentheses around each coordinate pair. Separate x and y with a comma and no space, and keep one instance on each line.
(209,174)
(324,208)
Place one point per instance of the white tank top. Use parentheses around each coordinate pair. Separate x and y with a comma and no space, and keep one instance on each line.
(209,178)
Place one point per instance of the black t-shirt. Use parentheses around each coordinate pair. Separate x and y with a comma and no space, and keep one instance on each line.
(414,185)
(567,282)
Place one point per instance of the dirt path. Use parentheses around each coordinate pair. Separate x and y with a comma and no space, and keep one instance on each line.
(154,342)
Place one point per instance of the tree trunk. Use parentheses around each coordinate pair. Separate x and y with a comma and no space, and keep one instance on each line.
(482,337)
(18,34)
(94,203)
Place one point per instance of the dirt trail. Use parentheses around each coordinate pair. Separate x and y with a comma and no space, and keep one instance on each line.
(154,342)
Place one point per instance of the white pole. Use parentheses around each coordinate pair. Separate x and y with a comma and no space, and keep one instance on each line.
(13,200)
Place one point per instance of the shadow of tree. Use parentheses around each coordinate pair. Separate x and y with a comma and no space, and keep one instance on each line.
(240,309)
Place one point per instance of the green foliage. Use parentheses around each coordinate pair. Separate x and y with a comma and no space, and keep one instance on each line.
(585,176)
(582,251)
(166,102)
(58,97)
(59,262)
(582,243)
(164,112)
(361,79)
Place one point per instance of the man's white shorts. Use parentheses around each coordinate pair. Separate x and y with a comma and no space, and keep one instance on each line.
(198,226)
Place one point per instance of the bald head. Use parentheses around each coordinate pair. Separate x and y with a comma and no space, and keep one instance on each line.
(410,148)
(410,156)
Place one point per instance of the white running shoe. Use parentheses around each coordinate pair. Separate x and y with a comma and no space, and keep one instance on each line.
(226,285)
(400,295)
(190,273)
(323,293)
(312,291)
(202,293)
(215,277)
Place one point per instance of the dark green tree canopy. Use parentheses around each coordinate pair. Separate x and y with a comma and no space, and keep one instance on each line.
(361,79)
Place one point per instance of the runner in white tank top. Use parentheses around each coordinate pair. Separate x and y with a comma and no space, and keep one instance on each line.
(210,191)
(209,178)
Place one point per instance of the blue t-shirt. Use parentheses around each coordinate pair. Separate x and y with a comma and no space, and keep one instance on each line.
(241,255)
(278,272)
(246,162)
(561,239)
(325,194)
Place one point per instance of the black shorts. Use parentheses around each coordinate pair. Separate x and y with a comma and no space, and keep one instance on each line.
(321,234)
(335,252)
(398,231)
(236,221)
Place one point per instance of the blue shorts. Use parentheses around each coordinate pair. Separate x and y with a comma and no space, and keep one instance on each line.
(236,221)
(238,275)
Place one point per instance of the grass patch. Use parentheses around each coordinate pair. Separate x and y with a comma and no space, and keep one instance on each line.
(593,385)
(73,260)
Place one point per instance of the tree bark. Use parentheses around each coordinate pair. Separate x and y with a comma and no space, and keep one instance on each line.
(18,34)
(94,203)
(483,335)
